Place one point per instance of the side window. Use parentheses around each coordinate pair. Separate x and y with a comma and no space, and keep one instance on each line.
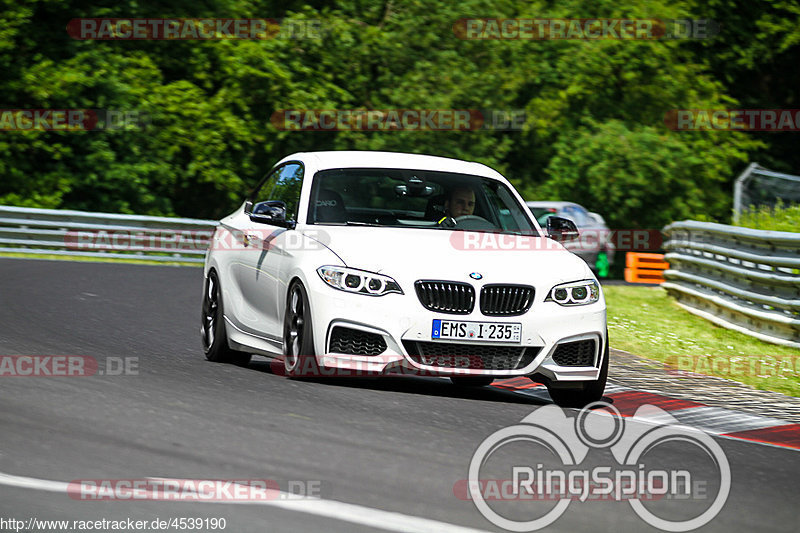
(283,184)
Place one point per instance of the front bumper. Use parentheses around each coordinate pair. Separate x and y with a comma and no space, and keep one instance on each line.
(401,321)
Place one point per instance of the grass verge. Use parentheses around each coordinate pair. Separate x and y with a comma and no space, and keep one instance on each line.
(780,218)
(647,322)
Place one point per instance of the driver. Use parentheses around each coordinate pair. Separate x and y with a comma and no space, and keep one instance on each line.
(461,202)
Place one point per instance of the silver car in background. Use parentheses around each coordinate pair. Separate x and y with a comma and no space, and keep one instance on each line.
(595,233)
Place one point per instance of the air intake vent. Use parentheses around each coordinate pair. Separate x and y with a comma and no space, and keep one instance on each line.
(576,353)
(506,300)
(472,356)
(355,342)
(446,296)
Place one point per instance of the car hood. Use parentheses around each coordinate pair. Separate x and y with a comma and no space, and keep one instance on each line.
(413,254)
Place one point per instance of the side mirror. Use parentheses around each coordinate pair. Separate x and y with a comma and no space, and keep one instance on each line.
(271,212)
(562,229)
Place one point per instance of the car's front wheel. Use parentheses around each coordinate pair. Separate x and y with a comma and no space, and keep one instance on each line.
(212,327)
(298,336)
(590,391)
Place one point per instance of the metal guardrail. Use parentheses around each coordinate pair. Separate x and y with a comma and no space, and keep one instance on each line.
(770,186)
(739,278)
(103,235)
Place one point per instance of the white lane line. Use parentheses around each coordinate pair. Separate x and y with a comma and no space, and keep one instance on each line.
(33,483)
(346,512)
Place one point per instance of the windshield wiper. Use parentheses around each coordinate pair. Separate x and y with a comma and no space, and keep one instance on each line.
(355,223)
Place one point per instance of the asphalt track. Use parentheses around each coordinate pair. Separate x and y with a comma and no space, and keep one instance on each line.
(374,447)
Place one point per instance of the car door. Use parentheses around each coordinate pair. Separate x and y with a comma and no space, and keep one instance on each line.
(264,243)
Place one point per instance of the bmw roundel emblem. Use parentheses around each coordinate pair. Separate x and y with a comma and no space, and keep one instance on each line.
(476,275)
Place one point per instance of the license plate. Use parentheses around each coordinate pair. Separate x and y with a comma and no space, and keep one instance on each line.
(476,331)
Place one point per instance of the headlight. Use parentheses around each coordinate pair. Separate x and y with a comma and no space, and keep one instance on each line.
(358,281)
(576,293)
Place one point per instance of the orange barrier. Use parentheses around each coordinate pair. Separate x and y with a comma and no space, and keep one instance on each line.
(645,268)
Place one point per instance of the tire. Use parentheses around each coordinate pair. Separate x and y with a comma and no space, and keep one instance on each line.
(298,335)
(212,327)
(591,391)
(477,381)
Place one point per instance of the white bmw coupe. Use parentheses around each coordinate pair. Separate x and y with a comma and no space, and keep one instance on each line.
(373,263)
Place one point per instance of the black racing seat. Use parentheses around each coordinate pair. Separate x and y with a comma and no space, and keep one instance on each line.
(435,208)
(329,207)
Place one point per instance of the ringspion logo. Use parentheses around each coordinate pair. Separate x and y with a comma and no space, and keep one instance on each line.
(680,498)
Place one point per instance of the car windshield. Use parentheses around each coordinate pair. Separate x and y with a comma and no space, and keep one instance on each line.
(415,199)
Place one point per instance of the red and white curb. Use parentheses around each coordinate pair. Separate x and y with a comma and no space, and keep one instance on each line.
(725,423)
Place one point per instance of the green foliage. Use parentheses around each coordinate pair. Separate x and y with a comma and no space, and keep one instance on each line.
(641,177)
(594,132)
(647,322)
(780,218)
